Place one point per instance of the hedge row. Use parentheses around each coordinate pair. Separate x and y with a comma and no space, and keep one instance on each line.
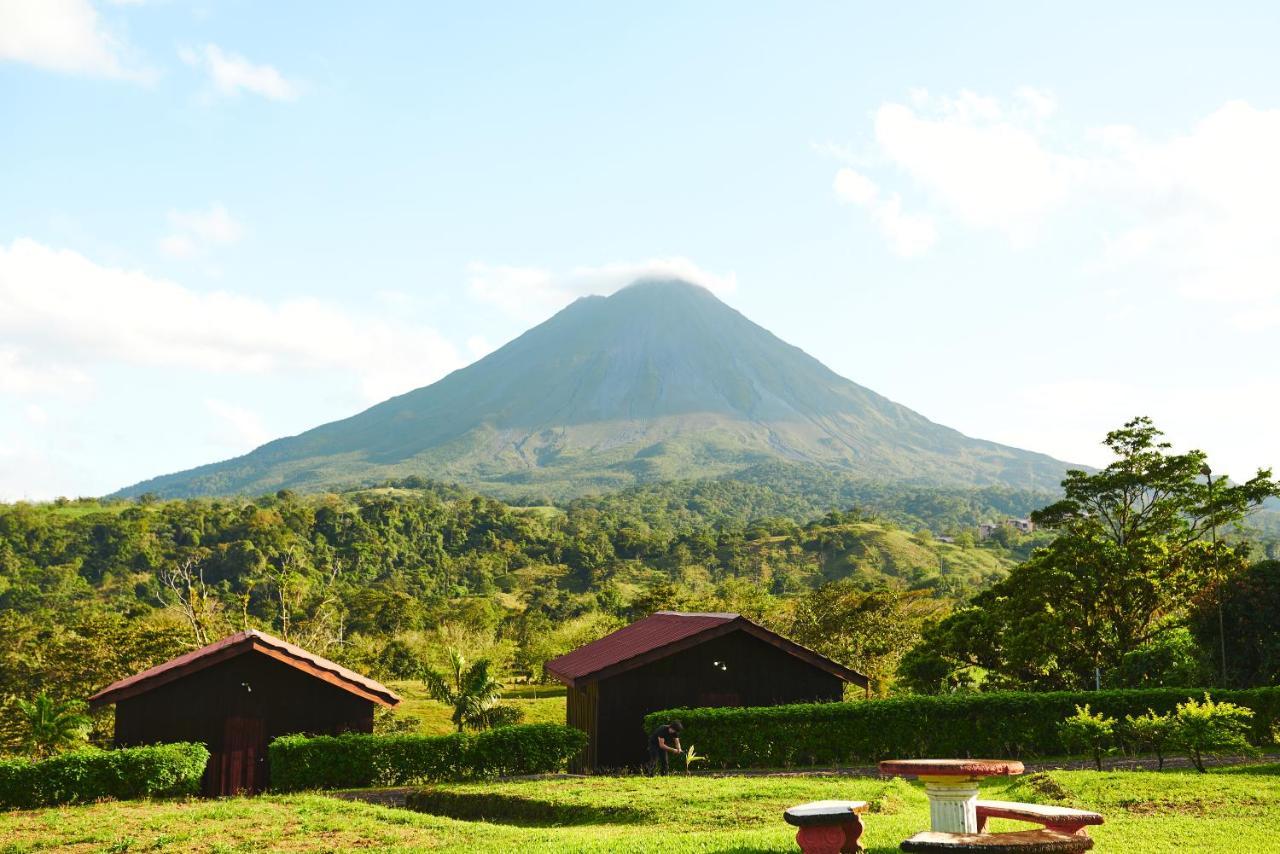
(357,760)
(1006,724)
(163,770)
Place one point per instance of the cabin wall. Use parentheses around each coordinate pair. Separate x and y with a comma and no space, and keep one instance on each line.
(235,708)
(750,672)
(581,713)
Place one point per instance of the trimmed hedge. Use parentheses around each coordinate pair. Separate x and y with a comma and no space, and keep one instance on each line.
(162,770)
(1005,724)
(357,760)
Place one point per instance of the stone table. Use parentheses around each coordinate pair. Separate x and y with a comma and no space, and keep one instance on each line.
(952,787)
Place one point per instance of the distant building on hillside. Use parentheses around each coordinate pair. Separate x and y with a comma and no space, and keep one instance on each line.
(676,660)
(234,696)
(986,529)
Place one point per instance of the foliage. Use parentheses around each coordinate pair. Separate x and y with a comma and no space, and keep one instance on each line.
(1250,603)
(473,693)
(692,756)
(1211,727)
(1088,731)
(1010,724)
(164,770)
(1132,555)
(50,726)
(1151,732)
(358,760)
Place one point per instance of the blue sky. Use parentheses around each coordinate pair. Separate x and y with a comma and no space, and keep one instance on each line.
(225,222)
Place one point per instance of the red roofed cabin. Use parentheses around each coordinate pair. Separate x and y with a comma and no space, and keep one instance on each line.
(674,660)
(234,696)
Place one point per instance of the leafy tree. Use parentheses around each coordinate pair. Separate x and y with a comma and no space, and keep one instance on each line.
(1130,558)
(1173,659)
(50,726)
(1211,728)
(868,631)
(472,691)
(1088,731)
(1250,602)
(1152,731)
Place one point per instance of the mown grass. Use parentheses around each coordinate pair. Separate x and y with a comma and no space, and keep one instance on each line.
(540,704)
(1227,810)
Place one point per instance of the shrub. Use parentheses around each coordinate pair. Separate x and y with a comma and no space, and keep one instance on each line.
(1092,732)
(162,770)
(359,760)
(1152,731)
(1005,724)
(1211,728)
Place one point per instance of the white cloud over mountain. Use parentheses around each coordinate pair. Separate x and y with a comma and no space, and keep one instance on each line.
(534,292)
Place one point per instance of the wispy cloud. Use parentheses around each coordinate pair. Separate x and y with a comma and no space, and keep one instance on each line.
(62,316)
(66,36)
(231,74)
(1196,210)
(534,291)
(194,231)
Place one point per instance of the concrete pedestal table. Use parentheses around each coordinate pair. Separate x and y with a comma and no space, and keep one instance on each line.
(952,787)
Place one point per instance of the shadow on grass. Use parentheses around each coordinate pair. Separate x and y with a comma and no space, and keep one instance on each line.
(526,812)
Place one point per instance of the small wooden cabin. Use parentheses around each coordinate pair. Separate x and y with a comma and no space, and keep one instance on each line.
(677,660)
(234,696)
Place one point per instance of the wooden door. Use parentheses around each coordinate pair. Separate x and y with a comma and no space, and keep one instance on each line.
(243,759)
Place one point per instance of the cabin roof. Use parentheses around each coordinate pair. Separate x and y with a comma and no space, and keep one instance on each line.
(668,632)
(242,643)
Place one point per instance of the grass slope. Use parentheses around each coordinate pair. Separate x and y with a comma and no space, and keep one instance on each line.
(1227,810)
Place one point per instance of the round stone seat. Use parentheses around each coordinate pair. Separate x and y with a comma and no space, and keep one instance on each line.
(827,827)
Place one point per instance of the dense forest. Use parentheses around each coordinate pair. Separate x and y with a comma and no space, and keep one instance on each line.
(387,579)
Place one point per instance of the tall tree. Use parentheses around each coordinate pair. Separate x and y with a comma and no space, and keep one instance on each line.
(1134,549)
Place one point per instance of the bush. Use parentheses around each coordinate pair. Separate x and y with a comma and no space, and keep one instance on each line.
(1211,728)
(162,770)
(1151,731)
(1006,724)
(1085,730)
(358,760)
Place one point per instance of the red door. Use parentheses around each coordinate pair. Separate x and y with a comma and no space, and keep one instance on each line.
(241,765)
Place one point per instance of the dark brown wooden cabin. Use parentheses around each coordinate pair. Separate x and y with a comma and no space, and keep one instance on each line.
(675,660)
(236,695)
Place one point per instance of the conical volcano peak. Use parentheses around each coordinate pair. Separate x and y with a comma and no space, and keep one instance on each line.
(660,380)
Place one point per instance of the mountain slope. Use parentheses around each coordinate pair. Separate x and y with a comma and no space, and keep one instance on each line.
(659,380)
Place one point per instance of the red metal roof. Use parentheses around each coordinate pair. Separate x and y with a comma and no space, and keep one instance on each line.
(667,632)
(241,643)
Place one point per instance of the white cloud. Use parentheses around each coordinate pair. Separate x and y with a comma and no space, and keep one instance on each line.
(1196,210)
(908,234)
(978,160)
(66,314)
(527,291)
(242,429)
(65,36)
(195,231)
(231,74)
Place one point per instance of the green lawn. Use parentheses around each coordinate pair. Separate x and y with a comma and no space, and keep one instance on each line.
(1227,810)
(540,704)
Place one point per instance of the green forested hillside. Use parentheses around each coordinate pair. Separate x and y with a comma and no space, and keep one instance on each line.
(383,578)
(659,381)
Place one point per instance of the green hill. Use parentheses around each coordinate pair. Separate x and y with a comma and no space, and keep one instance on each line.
(659,381)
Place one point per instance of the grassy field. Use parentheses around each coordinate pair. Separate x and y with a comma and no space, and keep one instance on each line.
(539,703)
(1227,810)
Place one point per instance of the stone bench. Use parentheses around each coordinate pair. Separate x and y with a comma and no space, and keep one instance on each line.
(1061,819)
(1021,842)
(827,827)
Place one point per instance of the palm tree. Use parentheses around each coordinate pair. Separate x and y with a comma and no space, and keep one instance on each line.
(473,693)
(51,726)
